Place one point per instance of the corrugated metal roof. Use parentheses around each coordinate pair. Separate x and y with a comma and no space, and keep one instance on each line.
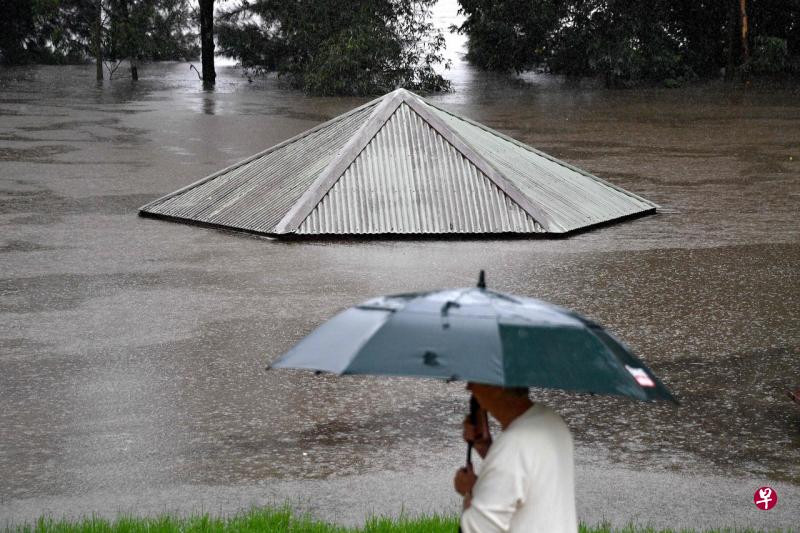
(573,198)
(409,179)
(400,165)
(255,195)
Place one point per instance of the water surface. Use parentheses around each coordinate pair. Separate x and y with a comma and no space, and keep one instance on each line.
(132,351)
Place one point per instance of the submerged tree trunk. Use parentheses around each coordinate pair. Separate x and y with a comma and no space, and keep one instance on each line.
(207,41)
(97,38)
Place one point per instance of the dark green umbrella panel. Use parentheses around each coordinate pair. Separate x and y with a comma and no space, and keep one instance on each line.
(476,335)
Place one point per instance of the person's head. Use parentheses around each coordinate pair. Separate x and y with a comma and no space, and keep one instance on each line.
(503,403)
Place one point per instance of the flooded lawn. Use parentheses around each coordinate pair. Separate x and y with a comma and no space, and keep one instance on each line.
(132,351)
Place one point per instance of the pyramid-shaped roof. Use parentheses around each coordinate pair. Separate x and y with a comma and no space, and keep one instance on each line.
(400,165)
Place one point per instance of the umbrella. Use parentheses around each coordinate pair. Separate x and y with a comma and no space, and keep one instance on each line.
(478,335)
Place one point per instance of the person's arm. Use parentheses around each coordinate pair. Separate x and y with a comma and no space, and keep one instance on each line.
(498,492)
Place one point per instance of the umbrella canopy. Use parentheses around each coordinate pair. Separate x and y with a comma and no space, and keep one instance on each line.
(479,335)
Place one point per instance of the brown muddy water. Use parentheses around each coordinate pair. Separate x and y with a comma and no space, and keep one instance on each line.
(132,351)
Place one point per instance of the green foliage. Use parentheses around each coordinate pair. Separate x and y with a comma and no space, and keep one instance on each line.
(510,34)
(618,39)
(16,31)
(770,56)
(622,43)
(280,520)
(60,31)
(700,31)
(777,19)
(627,41)
(283,520)
(43,31)
(344,47)
(149,30)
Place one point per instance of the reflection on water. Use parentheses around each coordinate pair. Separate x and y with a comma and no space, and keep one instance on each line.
(209,105)
(132,351)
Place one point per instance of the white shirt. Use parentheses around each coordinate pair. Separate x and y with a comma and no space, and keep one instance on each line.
(526,483)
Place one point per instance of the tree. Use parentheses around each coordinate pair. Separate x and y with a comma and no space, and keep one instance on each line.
(72,31)
(147,30)
(16,31)
(510,34)
(745,30)
(775,31)
(337,46)
(97,38)
(207,41)
(629,41)
(44,31)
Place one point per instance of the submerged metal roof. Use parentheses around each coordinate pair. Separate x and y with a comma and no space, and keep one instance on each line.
(400,165)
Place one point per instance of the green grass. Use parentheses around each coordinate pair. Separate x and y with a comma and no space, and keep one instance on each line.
(281,520)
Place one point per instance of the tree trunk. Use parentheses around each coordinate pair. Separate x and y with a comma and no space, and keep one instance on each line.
(97,39)
(128,48)
(207,41)
(745,29)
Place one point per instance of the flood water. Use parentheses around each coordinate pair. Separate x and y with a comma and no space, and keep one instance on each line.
(132,351)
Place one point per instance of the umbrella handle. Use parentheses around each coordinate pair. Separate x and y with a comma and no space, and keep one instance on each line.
(474,407)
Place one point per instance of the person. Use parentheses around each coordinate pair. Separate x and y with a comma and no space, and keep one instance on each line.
(526,481)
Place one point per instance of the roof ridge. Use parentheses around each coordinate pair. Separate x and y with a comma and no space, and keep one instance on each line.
(282,144)
(538,152)
(410,179)
(337,166)
(465,148)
